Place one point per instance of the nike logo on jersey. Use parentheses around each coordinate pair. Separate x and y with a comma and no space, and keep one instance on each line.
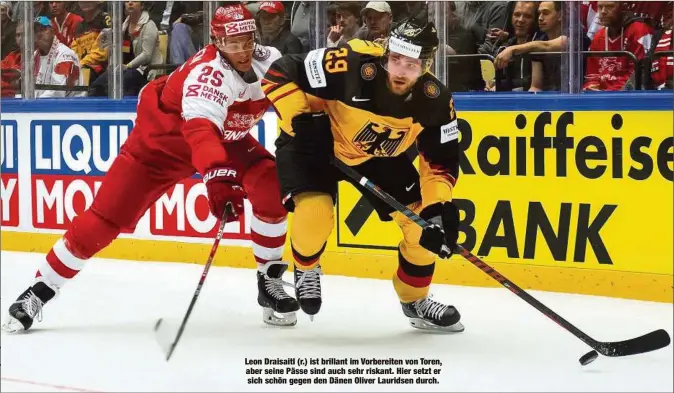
(410,187)
(251,149)
(356,99)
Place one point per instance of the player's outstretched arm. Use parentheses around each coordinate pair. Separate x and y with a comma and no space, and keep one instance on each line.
(206,96)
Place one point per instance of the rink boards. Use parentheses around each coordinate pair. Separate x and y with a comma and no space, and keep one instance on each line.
(560,193)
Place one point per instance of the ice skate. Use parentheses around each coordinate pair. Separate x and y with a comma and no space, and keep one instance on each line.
(278,308)
(28,307)
(308,290)
(427,314)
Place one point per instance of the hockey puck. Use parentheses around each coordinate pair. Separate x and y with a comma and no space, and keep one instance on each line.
(588,358)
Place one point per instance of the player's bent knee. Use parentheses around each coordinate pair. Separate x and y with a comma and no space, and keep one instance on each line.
(89,234)
(263,191)
(312,222)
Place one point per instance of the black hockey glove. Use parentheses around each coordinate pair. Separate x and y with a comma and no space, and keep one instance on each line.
(443,231)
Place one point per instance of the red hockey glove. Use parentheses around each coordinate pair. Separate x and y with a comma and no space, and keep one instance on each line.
(224,185)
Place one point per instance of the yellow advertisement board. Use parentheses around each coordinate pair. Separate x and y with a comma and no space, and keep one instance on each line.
(565,189)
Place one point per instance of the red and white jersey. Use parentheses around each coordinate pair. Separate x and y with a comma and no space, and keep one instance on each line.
(662,68)
(58,67)
(655,11)
(207,87)
(612,73)
(203,106)
(66,31)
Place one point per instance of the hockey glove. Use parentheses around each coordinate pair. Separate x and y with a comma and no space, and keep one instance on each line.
(443,231)
(224,185)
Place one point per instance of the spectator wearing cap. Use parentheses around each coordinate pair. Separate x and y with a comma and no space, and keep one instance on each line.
(378,18)
(7,28)
(273,29)
(139,50)
(88,38)
(55,63)
(347,16)
(65,23)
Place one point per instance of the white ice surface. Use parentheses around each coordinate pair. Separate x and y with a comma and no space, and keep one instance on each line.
(98,334)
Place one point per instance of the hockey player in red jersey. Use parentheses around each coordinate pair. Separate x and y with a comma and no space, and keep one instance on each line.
(196,119)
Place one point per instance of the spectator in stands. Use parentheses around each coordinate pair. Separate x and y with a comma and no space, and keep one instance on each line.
(523,26)
(621,31)
(464,74)
(139,50)
(545,70)
(7,28)
(273,29)
(87,42)
(652,13)
(348,23)
(378,18)
(56,63)
(186,32)
(300,21)
(65,23)
(550,23)
(11,65)
(662,67)
(485,19)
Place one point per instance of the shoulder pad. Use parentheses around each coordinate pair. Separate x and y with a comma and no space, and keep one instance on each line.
(366,47)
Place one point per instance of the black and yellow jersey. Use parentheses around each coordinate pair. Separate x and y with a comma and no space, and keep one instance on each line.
(87,40)
(350,84)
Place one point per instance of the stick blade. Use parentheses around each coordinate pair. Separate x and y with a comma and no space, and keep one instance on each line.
(165,337)
(648,342)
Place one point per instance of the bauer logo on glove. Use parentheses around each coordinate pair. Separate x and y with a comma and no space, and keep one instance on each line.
(224,172)
(223,185)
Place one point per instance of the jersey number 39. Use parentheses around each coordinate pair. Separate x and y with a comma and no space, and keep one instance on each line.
(335,60)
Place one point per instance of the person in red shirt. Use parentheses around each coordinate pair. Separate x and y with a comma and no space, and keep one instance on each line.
(621,31)
(65,23)
(662,67)
(653,12)
(11,67)
(196,119)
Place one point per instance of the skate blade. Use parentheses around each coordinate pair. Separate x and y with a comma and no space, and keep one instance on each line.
(430,327)
(278,319)
(12,326)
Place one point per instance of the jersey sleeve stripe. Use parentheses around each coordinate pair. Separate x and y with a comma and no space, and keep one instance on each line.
(284,95)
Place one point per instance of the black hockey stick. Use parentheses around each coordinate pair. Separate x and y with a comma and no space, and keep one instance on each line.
(168,341)
(646,343)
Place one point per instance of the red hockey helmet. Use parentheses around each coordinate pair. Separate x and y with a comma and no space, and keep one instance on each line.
(232,20)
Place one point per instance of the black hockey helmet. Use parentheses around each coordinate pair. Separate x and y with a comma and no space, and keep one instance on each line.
(414,37)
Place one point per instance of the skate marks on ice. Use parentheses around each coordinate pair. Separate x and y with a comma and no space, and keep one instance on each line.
(98,334)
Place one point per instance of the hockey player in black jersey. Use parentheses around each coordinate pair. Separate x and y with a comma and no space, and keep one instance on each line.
(366,105)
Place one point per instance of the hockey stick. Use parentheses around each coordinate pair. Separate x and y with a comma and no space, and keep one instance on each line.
(646,343)
(168,341)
